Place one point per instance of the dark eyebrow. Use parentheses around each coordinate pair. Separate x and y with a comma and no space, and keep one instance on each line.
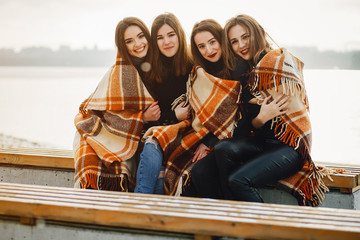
(212,39)
(136,35)
(167,33)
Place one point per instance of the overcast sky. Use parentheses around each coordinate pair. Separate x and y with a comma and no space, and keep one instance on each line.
(325,24)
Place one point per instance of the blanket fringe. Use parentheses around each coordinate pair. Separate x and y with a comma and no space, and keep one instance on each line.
(179,187)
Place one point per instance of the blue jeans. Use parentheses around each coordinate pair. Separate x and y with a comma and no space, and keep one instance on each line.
(147,176)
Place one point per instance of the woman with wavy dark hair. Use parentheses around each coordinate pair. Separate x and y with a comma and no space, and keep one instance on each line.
(110,122)
(272,145)
(169,75)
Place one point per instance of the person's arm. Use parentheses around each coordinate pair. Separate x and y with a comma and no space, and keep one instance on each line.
(207,143)
(210,140)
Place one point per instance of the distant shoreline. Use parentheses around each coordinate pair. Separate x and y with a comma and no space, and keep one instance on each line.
(7,141)
(67,57)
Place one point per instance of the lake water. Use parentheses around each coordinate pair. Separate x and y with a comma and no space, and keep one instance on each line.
(39,104)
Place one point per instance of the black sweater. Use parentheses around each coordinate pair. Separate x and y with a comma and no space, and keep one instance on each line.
(168,90)
(249,111)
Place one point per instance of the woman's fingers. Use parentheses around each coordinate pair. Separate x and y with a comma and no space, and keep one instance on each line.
(284,101)
(195,158)
(266,100)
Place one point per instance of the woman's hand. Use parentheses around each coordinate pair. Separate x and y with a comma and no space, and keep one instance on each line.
(152,113)
(201,151)
(270,110)
(182,112)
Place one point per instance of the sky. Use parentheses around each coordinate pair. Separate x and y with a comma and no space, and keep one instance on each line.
(324,24)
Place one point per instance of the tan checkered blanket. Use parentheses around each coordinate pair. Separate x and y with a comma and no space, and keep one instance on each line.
(109,125)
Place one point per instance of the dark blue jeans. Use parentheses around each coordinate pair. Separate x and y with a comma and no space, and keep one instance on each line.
(204,181)
(245,164)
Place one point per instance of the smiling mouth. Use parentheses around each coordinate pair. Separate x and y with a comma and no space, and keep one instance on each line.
(244,52)
(212,55)
(139,50)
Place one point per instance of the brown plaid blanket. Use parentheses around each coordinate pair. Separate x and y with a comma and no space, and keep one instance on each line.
(280,72)
(213,101)
(109,126)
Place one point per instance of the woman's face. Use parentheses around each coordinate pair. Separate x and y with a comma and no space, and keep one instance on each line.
(208,46)
(136,42)
(167,40)
(239,38)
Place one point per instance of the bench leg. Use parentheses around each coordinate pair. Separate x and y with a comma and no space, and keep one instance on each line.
(28,221)
(202,237)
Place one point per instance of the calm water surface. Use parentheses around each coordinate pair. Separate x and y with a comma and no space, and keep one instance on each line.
(39,104)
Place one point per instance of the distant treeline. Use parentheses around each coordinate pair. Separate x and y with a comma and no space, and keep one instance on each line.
(65,56)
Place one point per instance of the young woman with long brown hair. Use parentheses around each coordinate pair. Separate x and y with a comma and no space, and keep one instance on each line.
(111,120)
(169,75)
(272,145)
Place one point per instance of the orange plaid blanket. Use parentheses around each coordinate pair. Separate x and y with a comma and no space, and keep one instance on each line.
(109,126)
(213,101)
(280,72)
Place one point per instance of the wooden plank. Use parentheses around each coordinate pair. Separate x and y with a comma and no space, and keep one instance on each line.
(347,182)
(204,217)
(188,223)
(342,181)
(51,158)
(125,198)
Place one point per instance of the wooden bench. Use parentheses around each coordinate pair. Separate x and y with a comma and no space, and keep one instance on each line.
(41,166)
(47,163)
(38,157)
(202,218)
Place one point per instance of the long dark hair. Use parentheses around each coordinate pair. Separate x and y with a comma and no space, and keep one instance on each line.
(182,61)
(208,25)
(258,42)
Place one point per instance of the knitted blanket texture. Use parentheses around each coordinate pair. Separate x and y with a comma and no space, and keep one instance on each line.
(279,72)
(109,125)
(213,101)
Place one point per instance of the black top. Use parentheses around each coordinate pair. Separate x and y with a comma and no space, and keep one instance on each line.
(166,92)
(248,111)
(214,68)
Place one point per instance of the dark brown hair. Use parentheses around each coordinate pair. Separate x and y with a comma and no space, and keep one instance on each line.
(258,42)
(208,25)
(182,61)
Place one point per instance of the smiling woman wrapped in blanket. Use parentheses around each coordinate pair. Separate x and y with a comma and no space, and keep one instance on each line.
(206,48)
(213,101)
(110,122)
(272,141)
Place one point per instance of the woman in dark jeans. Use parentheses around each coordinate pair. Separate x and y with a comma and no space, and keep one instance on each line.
(206,48)
(273,138)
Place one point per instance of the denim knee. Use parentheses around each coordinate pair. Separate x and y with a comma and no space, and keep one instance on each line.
(149,168)
(152,154)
